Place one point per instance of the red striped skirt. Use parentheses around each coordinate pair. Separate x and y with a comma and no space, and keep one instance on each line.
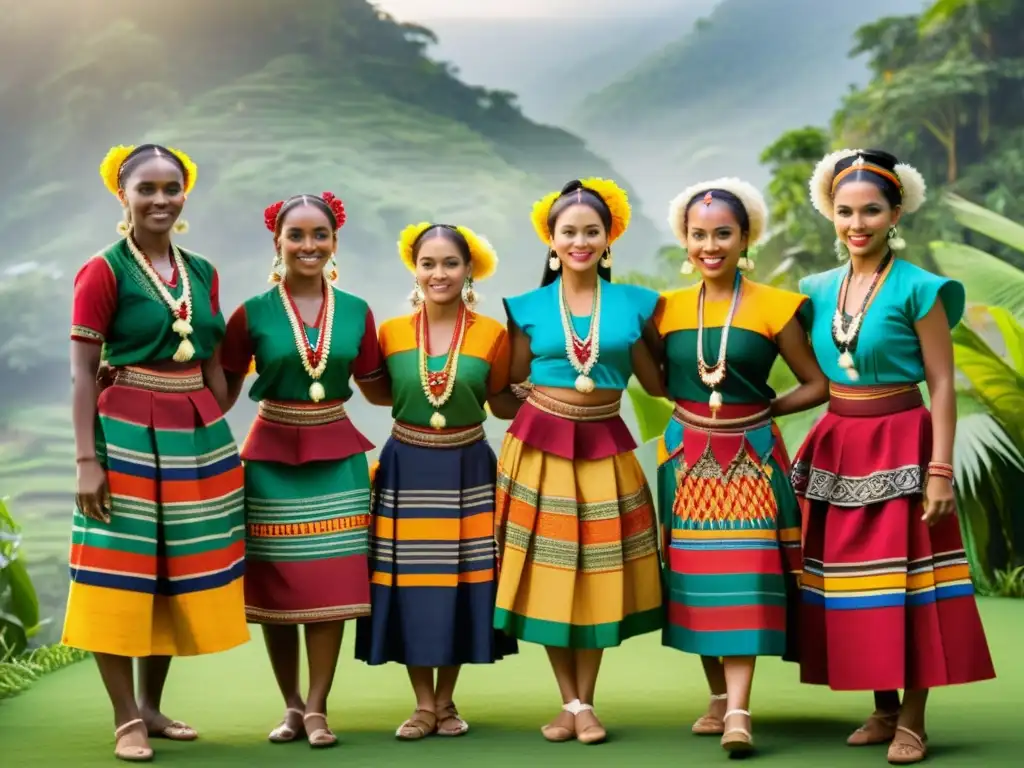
(887,601)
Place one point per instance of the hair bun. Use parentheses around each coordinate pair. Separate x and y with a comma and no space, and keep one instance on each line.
(572,186)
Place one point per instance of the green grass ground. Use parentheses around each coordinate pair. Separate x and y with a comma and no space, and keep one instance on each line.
(647,697)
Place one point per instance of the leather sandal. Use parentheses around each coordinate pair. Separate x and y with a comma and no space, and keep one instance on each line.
(417,726)
(737,739)
(319,737)
(911,749)
(132,754)
(591,734)
(879,728)
(559,733)
(284,733)
(707,724)
(449,714)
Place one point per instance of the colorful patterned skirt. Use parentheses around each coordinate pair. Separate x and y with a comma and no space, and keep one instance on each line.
(164,576)
(887,601)
(731,534)
(432,552)
(307,501)
(576,529)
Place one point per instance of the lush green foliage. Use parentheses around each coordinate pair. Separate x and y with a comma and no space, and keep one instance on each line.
(19,604)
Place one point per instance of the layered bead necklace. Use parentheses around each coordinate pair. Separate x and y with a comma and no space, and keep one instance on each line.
(845,331)
(439,385)
(713,375)
(582,353)
(181,308)
(314,361)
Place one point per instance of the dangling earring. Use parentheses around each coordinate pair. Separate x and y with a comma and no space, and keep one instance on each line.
(469,293)
(896,243)
(687,267)
(842,252)
(745,264)
(606,260)
(124,226)
(180,227)
(554,263)
(416,297)
(277,269)
(331,269)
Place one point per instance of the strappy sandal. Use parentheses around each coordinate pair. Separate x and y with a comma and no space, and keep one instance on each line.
(906,751)
(707,724)
(879,728)
(175,730)
(737,740)
(560,733)
(284,733)
(131,754)
(592,734)
(449,714)
(421,727)
(319,737)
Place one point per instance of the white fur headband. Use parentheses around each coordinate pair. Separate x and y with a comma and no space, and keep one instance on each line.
(752,200)
(914,188)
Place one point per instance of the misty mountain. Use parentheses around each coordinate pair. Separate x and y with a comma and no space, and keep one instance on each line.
(707,104)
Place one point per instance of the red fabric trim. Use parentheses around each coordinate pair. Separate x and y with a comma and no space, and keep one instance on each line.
(293,445)
(571,439)
(369,362)
(236,348)
(94,300)
(215,292)
(159,410)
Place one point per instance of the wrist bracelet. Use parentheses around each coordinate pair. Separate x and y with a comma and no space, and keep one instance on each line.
(85,459)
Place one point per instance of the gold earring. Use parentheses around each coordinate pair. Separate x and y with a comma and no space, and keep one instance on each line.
(686,268)
(331,270)
(180,227)
(554,263)
(745,264)
(469,293)
(606,259)
(277,269)
(416,297)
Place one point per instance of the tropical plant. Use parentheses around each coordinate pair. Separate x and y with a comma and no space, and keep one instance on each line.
(19,605)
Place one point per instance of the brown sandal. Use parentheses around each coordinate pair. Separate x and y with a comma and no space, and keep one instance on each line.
(131,754)
(879,728)
(449,714)
(907,750)
(319,737)
(420,727)
(737,739)
(708,724)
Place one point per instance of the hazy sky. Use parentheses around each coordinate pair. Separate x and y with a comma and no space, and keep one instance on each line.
(421,10)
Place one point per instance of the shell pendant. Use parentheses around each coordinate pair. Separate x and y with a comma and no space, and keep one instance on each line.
(715,402)
(846,363)
(316,392)
(438,421)
(584,384)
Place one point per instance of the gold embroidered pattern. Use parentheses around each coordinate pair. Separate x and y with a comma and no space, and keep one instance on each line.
(455,438)
(280,530)
(87,334)
(160,381)
(296,415)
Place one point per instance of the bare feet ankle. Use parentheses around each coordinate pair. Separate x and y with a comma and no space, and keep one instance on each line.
(159,725)
(879,728)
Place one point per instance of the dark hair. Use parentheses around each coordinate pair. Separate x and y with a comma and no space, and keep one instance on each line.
(445,232)
(297,201)
(574,193)
(877,157)
(145,152)
(739,211)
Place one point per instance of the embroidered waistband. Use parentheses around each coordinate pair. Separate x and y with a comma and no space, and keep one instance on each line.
(173,382)
(434,438)
(719,424)
(302,414)
(882,400)
(548,404)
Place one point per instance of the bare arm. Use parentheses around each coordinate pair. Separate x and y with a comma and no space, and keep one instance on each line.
(519,368)
(647,370)
(813,388)
(92,496)
(937,353)
(656,344)
(377,391)
(504,404)
(233,383)
(214,379)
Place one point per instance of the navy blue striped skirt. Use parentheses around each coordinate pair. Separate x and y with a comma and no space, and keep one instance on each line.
(433,575)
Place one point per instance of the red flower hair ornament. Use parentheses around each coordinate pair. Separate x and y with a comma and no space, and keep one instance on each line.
(272,212)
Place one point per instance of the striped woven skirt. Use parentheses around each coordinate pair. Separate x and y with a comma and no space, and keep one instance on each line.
(307,520)
(432,552)
(576,529)
(887,601)
(732,534)
(164,576)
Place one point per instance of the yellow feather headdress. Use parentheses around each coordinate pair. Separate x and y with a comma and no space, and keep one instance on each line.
(110,168)
(614,197)
(481,253)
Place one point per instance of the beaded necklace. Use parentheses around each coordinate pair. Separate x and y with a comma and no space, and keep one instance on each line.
(314,361)
(181,309)
(846,331)
(439,385)
(713,375)
(582,353)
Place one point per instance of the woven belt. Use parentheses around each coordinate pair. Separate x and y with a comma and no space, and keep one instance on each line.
(868,401)
(739,424)
(548,404)
(302,414)
(448,438)
(172,382)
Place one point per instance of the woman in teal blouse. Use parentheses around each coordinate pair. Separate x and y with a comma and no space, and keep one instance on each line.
(574,516)
(888,601)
